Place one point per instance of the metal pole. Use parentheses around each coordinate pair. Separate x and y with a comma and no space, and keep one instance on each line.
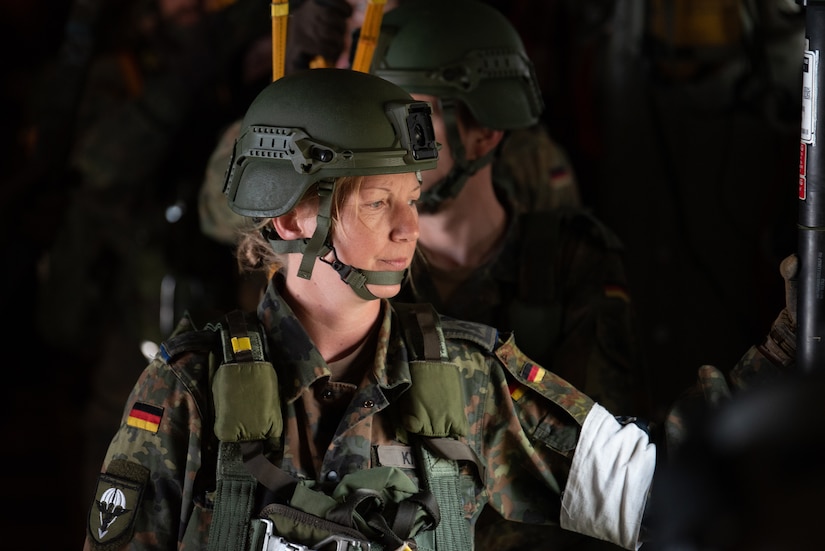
(811,275)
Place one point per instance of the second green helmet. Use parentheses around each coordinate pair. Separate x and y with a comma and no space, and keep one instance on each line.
(321,124)
(461,49)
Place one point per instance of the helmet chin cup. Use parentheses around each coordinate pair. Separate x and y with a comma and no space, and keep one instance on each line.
(358,279)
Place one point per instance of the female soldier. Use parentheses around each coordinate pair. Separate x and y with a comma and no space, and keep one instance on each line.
(334,417)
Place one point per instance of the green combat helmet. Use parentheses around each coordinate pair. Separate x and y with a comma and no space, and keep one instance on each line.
(466,51)
(313,127)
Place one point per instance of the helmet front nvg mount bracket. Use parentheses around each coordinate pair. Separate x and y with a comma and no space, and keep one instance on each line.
(459,51)
(316,126)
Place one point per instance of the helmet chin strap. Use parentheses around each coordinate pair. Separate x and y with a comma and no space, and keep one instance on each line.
(318,246)
(452,184)
(358,279)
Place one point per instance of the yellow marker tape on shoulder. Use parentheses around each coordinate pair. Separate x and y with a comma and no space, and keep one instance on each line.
(239,344)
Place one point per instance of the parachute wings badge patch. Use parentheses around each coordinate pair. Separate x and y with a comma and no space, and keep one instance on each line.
(117,497)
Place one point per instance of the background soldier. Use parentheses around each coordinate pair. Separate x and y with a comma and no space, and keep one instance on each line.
(491,248)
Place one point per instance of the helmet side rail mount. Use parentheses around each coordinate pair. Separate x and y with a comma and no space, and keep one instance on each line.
(307,155)
(416,142)
(466,73)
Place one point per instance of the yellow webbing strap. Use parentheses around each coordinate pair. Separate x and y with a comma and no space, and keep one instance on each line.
(280,12)
(368,37)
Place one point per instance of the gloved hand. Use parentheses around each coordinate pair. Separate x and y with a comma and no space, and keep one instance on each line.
(760,366)
(780,345)
(316,28)
(693,405)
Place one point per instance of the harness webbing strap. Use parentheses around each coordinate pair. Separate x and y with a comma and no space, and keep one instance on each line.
(442,478)
(275,479)
(234,501)
(455,450)
(422,331)
(432,344)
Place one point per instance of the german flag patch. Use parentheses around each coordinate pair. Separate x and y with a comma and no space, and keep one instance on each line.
(516,392)
(145,416)
(617,291)
(532,373)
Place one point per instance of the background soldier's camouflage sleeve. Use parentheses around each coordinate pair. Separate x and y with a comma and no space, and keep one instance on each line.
(538,170)
(217,220)
(599,349)
(161,430)
(753,370)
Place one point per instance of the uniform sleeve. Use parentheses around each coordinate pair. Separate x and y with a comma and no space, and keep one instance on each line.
(610,480)
(145,495)
(754,369)
(537,171)
(599,349)
(594,473)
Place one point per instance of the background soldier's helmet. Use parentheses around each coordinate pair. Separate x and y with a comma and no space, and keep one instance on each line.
(460,49)
(321,124)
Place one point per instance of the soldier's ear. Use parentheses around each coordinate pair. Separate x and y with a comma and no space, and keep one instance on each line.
(483,140)
(294,225)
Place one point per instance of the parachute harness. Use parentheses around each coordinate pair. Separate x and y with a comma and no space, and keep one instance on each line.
(242,465)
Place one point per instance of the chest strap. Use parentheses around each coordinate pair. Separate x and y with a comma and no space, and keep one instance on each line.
(442,477)
(234,500)
(245,392)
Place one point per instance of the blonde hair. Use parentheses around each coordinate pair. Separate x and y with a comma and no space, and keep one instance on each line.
(253,251)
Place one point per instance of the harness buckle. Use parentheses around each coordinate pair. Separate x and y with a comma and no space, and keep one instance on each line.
(277,543)
(271,542)
(343,543)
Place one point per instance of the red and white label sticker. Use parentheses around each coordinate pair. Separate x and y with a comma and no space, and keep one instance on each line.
(803,170)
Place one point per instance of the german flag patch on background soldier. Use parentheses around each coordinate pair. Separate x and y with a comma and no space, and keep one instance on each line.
(117,497)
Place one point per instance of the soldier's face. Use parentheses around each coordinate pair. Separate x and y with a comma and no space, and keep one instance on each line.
(377,228)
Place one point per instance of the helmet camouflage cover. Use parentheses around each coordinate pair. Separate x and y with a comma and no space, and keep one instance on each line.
(321,124)
(461,49)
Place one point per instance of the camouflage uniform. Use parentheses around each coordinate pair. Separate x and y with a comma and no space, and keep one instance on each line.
(538,169)
(215,217)
(517,414)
